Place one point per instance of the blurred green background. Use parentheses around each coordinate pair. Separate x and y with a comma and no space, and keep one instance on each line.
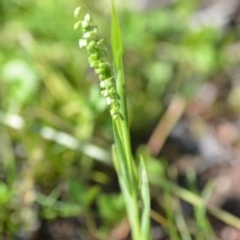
(55,132)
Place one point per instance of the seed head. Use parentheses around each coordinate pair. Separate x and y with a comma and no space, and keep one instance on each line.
(97,59)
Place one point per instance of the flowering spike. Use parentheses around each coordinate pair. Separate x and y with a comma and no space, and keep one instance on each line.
(77,12)
(97,59)
(77,25)
(87,17)
(82,42)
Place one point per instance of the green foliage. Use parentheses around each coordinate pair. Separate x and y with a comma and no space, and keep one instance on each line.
(55,130)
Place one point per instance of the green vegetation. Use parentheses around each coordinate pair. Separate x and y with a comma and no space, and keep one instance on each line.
(133,182)
(56,134)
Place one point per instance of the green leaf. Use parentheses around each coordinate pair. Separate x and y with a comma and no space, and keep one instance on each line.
(111,207)
(145,197)
(77,191)
(116,42)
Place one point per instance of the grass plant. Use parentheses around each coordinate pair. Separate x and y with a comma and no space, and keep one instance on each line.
(132,174)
